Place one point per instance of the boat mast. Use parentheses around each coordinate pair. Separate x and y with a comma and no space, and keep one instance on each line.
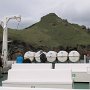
(5,37)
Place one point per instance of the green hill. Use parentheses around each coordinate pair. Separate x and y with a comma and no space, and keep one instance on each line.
(51,32)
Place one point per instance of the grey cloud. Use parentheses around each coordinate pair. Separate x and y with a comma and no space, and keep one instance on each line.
(75,11)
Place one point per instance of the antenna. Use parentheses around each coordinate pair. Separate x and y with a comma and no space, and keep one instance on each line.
(19,20)
(18,25)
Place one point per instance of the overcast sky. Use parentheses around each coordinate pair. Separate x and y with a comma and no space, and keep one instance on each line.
(75,11)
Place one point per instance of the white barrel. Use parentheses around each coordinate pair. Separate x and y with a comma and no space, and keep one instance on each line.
(37,55)
(29,55)
(74,56)
(51,56)
(62,56)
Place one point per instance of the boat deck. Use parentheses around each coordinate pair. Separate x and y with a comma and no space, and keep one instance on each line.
(76,85)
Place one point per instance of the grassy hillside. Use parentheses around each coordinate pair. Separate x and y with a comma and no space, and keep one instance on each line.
(51,32)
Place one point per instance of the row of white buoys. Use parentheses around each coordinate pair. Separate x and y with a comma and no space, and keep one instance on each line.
(51,56)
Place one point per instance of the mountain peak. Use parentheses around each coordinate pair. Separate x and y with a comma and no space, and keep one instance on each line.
(51,17)
(51,14)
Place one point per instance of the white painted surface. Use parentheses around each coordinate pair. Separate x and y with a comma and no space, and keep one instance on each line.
(75,67)
(88,69)
(79,71)
(31,66)
(20,88)
(39,78)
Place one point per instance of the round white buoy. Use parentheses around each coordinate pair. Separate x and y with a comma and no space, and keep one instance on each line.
(51,56)
(37,55)
(29,55)
(74,56)
(62,56)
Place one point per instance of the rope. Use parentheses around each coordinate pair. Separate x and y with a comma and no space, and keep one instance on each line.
(18,25)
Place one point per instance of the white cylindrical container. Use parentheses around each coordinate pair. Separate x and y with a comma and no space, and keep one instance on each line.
(29,55)
(62,56)
(74,56)
(37,55)
(51,56)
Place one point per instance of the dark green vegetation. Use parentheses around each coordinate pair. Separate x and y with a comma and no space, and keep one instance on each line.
(52,33)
